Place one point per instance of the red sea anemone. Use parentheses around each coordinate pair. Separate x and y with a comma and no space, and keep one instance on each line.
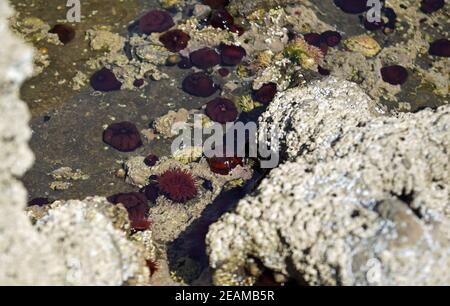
(178,185)
(352,6)
(65,33)
(231,55)
(104,80)
(222,110)
(395,75)
(155,21)
(224,165)
(137,207)
(205,58)
(123,136)
(199,84)
(431,6)
(266,93)
(221,19)
(440,47)
(175,40)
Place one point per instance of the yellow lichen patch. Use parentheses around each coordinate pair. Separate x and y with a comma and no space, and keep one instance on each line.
(364,44)
(246,103)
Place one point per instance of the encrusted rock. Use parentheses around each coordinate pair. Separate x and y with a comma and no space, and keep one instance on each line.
(364,199)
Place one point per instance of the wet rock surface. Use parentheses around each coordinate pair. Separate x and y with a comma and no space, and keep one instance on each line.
(363,200)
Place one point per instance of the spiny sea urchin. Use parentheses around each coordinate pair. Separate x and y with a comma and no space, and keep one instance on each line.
(178,185)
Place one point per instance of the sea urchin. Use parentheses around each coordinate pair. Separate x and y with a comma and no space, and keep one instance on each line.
(178,185)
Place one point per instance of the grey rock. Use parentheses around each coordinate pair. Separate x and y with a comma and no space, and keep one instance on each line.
(363,199)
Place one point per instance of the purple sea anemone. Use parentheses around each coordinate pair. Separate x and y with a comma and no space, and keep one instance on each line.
(440,47)
(395,75)
(232,55)
(266,93)
(123,136)
(352,6)
(222,110)
(155,21)
(175,40)
(105,80)
(431,6)
(205,58)
(199,84)
(331,38)
(221,19)
(178,185)
(137,207)
(65,33)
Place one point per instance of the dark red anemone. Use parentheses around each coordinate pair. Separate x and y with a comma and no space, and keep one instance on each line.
(324,71)
(153,266)
(395,75)
(65,33)
(373,26)
(175,40)
(237,29)
(151,160)
(138,83)
(155,21)
(199,84)
(224,165)
(222,110)
(39,202)
(266,93)
(151,192)
(221,19)
(216,4)
(205,58)
(137,207)
(224,72)
(105,80)
(352,6)
(123,136)
(185,63)
(440,47)
(331,38)
(232,55)
(316,40)
(178,185)
(431,6)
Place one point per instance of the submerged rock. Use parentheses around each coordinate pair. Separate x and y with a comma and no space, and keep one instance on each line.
(362,201)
